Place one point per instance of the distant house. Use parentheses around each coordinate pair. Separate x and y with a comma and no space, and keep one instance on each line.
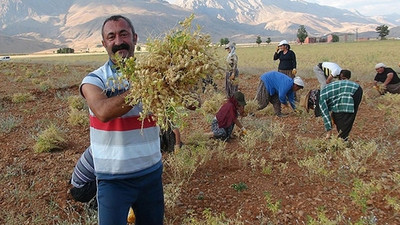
(310,40)
(346,37)
(363,39)
(329,38)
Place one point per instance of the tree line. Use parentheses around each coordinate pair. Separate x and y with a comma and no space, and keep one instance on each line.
(302,34)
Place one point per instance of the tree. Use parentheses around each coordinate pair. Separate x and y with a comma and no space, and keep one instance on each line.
(258,40)
(383,31)
(65,50)
(224,41)
(302,34)
(268,40)
(335,38)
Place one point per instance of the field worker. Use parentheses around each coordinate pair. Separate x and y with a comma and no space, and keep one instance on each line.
(387,78)
(325,72)
(84,182)
(312,98)
(342,98)
(227,117)
(277,88)
(208,80)
(287,59)
(170,140)
(83,178)
(232,72)
(126,157)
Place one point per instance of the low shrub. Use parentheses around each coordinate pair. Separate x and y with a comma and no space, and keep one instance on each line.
(50,139)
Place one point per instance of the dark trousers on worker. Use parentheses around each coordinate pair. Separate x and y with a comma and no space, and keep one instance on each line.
(263,98)
(344,121)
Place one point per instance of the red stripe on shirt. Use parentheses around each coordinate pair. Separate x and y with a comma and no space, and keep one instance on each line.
(122,123)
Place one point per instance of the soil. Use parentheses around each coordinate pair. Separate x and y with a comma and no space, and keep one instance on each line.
(35,185)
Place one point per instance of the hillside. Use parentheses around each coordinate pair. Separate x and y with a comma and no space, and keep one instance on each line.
(77,23)
(15,45)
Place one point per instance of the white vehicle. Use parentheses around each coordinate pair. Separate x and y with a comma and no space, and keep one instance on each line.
(4,58)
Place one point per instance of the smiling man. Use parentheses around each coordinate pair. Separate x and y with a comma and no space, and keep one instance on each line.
(118,37)
(126,153)
(387,78)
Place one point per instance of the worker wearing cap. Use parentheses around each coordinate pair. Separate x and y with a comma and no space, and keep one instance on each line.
(287,59)
(227,117)
(277,88)
(342,99)
(386,79)
(326,71)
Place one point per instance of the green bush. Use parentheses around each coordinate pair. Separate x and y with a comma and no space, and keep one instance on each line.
(50,139)
(76,102)
(78,117)
(22,97)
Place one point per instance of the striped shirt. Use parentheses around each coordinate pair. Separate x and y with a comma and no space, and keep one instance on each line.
(331,68)
(124,147)
(337,97)
(84,170)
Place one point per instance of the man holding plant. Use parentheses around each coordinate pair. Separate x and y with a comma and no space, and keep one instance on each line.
(386,79)
(126,152)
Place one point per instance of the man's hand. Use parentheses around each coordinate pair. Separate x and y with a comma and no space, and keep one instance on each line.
(244,131)
(328,134)
(381,88)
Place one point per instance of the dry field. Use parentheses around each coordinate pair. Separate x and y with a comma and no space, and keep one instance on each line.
(283,172)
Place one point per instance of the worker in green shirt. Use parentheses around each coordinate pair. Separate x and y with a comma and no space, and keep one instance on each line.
(342,99)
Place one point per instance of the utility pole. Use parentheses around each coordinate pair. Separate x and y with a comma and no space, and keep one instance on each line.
(356,34)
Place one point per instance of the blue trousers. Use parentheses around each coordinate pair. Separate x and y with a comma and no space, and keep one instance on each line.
(144,194)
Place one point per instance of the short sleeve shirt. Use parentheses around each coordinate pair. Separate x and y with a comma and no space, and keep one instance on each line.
(331,68)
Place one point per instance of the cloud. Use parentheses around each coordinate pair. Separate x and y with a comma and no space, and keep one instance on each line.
(365,7)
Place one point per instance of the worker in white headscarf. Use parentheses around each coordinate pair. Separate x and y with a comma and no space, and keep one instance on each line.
(232,72)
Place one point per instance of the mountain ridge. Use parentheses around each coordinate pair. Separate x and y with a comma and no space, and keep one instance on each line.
(77,23)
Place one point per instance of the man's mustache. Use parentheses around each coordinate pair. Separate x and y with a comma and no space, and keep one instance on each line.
(122,46)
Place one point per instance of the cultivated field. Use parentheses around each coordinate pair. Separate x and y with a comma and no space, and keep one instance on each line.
(283,172)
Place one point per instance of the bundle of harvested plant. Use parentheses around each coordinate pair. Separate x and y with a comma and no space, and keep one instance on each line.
(167,78)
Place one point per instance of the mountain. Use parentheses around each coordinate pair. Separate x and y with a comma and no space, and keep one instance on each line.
(77,23)
(286,15)
(16,45)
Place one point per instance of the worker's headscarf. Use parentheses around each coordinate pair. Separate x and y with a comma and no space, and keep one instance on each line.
(232,48)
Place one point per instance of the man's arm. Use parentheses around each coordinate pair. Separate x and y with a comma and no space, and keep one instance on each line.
(388,79)
(291,100)
(104,108)
(238,123)
(276,55)
(325,114)
(329,79)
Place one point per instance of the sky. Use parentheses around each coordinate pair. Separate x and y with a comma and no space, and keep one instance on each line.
(365,7)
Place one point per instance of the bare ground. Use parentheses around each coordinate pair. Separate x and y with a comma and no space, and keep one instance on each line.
(35,186)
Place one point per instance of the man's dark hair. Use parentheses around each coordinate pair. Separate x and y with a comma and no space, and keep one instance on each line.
(346,73)
(116,18)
